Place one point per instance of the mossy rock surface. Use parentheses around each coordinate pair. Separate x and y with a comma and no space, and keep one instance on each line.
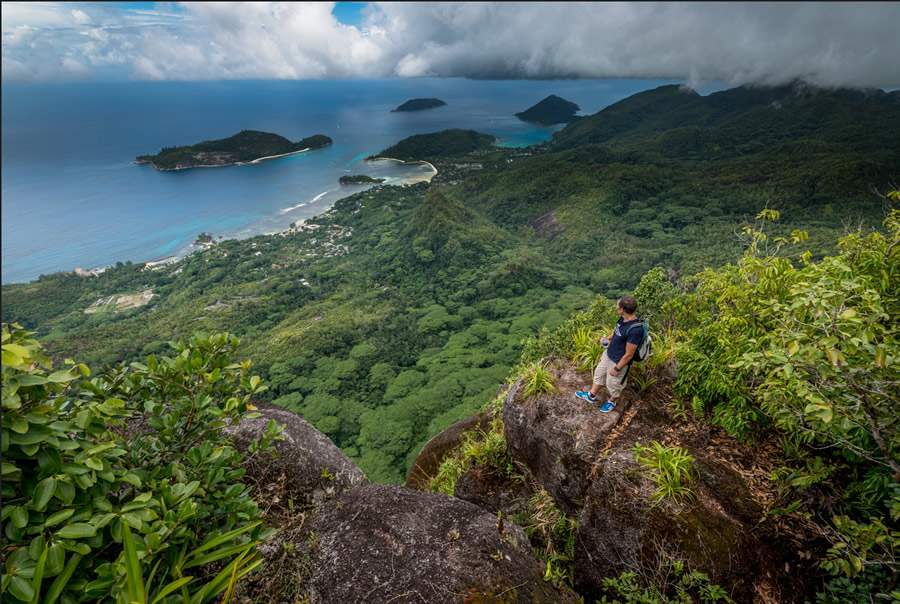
(380,543)
(305,466)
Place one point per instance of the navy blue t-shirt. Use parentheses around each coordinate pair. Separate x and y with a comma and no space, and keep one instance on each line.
(616,348)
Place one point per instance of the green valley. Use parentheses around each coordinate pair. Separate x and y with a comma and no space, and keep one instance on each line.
(753,456)
(402,309)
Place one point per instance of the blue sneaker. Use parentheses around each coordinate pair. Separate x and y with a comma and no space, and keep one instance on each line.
(586,395)
(607,407)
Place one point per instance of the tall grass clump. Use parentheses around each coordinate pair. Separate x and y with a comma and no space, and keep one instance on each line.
(670,468)
(588,349)
(479,448)
(538,379)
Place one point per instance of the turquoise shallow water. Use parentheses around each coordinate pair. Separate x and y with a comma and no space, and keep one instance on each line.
(71,195)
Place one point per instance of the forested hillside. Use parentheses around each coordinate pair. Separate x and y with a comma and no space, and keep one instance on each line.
(403,309)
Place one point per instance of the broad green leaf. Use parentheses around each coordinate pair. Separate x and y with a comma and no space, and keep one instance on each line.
(78,530)
(133,519)
(848,314)
(43,492)
(21,589)
(18,424)
(65,491)
(36,547)
(132,479)
(61,376)
(94,464)
(19,516)
(56,559)
(10,358)
(60,516)
(31,379)
(35,435)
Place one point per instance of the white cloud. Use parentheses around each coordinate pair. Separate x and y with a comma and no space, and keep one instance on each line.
(827,43)
(80,17)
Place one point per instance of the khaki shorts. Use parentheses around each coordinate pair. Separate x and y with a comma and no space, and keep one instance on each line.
(613,384)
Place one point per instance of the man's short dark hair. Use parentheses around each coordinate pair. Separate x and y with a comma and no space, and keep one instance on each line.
(628,304)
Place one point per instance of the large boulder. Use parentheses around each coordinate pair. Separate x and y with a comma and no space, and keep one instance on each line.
(557,436)
(380,543)
(305,465)
(621,528)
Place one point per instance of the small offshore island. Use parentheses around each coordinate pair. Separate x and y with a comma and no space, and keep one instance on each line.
(419,105)
(445,142)
(552,110)
(247,146)
(359,179)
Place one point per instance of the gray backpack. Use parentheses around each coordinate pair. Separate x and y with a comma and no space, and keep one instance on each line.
(645,348)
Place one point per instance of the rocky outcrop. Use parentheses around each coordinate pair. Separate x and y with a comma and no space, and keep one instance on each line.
(306,466)
(557,436)
(585,461)
(344,540)
(380,543)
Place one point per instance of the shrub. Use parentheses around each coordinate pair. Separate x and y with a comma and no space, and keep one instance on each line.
(560,342)
(811,350)
(653,293)
(681,587)
(670,468)
(135,455)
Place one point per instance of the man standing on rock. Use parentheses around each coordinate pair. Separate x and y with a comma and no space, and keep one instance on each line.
(612,371)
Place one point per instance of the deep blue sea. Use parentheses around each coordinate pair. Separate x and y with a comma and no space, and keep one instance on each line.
(72,195)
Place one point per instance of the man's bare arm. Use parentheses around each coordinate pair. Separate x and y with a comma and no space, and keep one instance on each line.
(629,352)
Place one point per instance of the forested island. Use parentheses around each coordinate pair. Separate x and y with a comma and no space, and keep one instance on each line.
(418,105)
(359,179)
(247,146)
(435,334)
(551,110)
(446,142)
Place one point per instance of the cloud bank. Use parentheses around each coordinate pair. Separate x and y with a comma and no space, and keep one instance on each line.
(830,44)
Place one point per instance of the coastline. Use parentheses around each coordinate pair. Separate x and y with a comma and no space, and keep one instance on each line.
(259,159)
(413,161)
(299,225)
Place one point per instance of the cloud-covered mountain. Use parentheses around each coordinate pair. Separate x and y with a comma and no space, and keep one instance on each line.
(828,44)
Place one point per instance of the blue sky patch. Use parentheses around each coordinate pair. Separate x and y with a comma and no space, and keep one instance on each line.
(349,13)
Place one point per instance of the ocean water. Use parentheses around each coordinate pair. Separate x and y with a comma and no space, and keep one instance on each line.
(72,196)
